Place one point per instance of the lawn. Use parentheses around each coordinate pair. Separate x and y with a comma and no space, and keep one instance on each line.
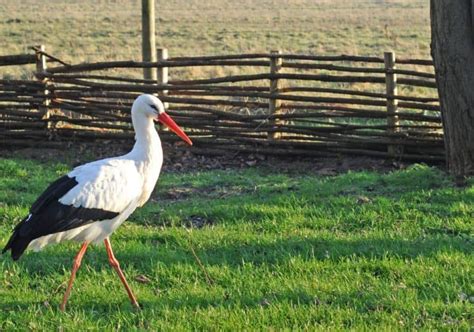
(358,250)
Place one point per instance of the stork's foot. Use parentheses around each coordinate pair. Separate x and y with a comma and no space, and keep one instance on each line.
(136,306)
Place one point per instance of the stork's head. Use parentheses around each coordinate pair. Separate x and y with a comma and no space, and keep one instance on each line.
(151,107)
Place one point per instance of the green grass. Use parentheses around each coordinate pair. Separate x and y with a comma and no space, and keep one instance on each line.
(360,250)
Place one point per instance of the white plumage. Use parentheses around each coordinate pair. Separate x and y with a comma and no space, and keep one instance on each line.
(118,184)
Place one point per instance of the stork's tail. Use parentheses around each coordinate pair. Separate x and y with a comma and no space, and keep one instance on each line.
(17,243)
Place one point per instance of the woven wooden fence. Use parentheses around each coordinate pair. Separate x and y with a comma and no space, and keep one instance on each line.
(272,103)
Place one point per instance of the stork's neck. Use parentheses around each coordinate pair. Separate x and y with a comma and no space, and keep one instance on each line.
(147,142)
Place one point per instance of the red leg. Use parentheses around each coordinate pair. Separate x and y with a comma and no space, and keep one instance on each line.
(115,264)
(75,267)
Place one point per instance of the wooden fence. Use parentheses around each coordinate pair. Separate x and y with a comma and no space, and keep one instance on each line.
(273,103)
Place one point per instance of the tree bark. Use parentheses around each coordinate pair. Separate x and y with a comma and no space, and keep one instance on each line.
(452,48)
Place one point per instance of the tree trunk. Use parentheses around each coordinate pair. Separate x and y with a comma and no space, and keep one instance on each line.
(452,48)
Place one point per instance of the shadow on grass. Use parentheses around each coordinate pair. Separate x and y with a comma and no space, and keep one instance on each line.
(277,252)
(233,255)
(361,301)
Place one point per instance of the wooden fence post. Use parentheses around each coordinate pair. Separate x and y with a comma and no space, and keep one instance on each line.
(148,37)
(41,67)
(162,72)
(392,103)
(274,106)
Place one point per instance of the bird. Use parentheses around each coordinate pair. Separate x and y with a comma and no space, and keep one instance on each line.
(90,202)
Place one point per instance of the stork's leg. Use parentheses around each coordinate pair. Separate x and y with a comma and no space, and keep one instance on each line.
(75,267)
(115,264)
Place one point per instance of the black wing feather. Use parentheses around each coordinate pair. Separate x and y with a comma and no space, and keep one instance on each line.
(55,191)
(49,216)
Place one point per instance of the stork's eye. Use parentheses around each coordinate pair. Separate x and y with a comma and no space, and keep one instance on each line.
(154,107)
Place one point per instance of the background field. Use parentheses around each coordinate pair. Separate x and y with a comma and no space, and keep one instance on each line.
(99,30)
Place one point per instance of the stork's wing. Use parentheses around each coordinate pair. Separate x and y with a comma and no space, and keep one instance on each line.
(96,191)
(109,184)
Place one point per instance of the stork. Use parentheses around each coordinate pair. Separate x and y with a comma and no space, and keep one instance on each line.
(91,201)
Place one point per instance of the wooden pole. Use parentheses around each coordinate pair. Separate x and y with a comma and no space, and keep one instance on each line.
(148,37)
(41,67)
(274,106)
(162,72)
(392,103)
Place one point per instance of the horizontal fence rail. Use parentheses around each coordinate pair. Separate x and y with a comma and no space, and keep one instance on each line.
(272,103)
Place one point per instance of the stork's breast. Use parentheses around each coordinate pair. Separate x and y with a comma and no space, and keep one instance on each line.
(148,187)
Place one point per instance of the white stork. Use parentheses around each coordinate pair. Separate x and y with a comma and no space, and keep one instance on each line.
(91,201)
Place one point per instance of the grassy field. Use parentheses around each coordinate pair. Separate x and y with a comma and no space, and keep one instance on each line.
(360,250)
(97,30)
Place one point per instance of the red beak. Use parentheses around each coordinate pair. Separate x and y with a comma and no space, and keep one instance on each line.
(169,122)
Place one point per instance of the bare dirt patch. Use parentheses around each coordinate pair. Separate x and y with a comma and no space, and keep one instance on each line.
(180,158)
